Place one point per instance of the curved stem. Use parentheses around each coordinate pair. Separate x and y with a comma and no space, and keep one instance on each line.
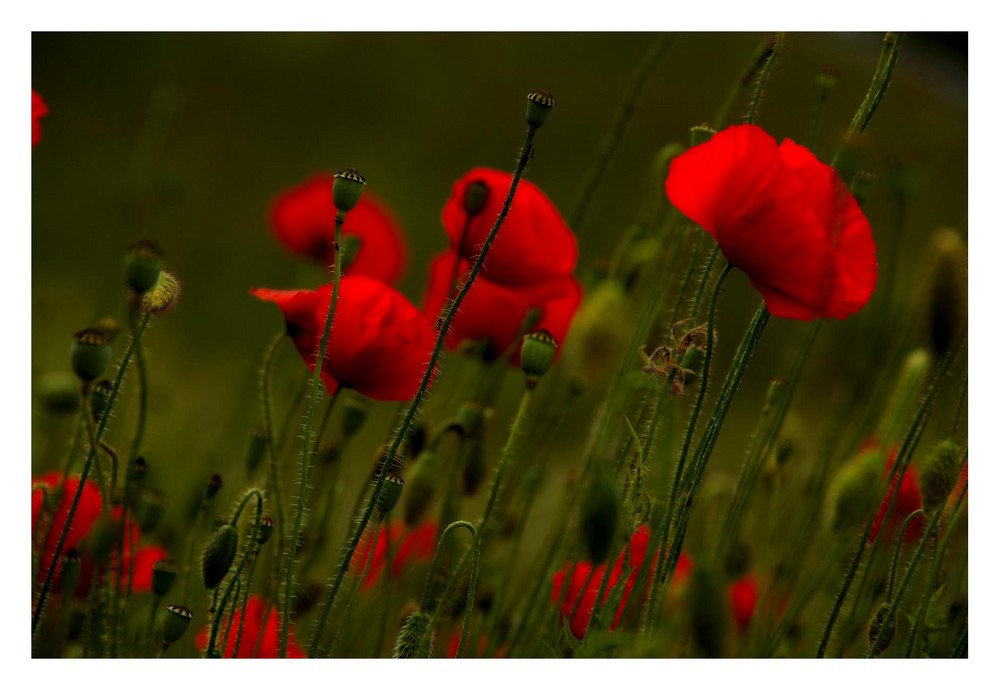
(765,72)
(243,605)
(272,448)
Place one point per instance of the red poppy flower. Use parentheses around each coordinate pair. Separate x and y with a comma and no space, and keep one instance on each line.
(408,546)
(303,220)
(87,512)
(143,559)
(781,216)
(907,501)
(587,578)
(260,636)
(496,312)
(38,110)
(379,344)
(743,601)
(534,244)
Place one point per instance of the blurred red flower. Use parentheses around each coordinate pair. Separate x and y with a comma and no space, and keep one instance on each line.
(781,216)
(497,312)
(302,218)
(379,344)
(38,110)
(260,636)
(408,546)
(451,649)
(907,500)
(743,600)
(586,578)
(534,245)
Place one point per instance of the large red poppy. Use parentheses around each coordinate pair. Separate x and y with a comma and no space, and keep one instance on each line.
(303,220)
(260,636)
(379,344)
(534,245)
(783,217)
(38,110)
(497,312)
(409,546)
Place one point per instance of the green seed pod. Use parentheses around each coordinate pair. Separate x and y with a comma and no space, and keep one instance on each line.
(599,333)
(879,619)
(266,530)
(702,133)
(347,187)
(143,264)
(90,354)
(99,398)
(58,392)
(948,304)
(472,418)
(473,466)
(538,351)
(415,639)
(420,488)
(540,104)
(388,495)
(707,612)
(476,194)
(938,474)
(356,409)
(175,624)
(218,556)
(256,449)
(162,297)
(149,509)
(854,490)
(212,487)
(599,514)
(70,572)
(164,575)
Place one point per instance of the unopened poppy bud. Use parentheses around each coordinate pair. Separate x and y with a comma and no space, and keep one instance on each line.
(472,418)
(161,297)
(879,620)
(347,187)
(164,575)
(854,491)
(862,185)
(661,162)
(707,612)
(388,495)
(702,133)
(356,409)
(90,354)
(143,264)
(538,351)
(109,325)
(828,77)
(212,487)
(949,290)
(476,194)
(266,530)
(599,332)
(149,509)
(473,466)
(420,487)
(783,453)
(218,556)
(909,388)
(938,474)
(256,448)
(70,572)
(540,104)
(59,392)
(175,623)
(416,638)
(599,514)
(100,397)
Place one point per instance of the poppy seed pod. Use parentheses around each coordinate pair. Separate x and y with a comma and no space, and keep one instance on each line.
(347,187)
(540,104)
(472,418)
(827,77)
(538,351)
(879,620)
(161,297)
(702,133)
(416,638)
(266,530)
(164,575)
(143,264)
(938,474)
(599,514)
(218,556)
(476,194)
(90,354)
(388,495)
(175,623)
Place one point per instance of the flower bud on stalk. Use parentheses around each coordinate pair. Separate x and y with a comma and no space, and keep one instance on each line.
(175,624)
(256,449)
(948,304)
(476,194)
(266,530)
(701,133)
(90,354)
(854,491)
(162,297)
(420,491)
(415,639)
(143,264)
(212,487)
(164,576)
(879,620)
(219,556)
(540,104)
(388,496)
(538,351)
(348,184)
(938,475)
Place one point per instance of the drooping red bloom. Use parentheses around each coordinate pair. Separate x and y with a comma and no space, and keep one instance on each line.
(497,312)
(783,217)
(743,600)
(907,500)
(38,110)
(409,546)
(302,218)
(87,512)
(260,636)
(533,245)
(379,344)
(586,578)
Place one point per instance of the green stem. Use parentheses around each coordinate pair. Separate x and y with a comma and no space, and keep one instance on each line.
(361,578)
(899,548)
(243,605)
(116,386)
(143,405)
(272,450)
(765,72)
(761,54)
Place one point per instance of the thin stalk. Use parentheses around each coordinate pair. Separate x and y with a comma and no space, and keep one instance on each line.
(760,55)
(361,578)
(765,72)
(243,605)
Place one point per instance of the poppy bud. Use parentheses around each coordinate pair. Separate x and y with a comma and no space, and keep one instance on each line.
(109,325)
(415,639)
(212,487)
(599,332)
(347,187)
(473,466)
(161,297)
(164,575)
(218,556)
(879,620)
(90,354)
(175,624)
(827,77)
(59,392)
(538,351)
(99,398)
(472,418)
(854,491)
(143,264)
(540,104)
(70,572)
(599,516)
(949,287)
(707,611)
(938,475)
(702,133)
(476,194)
(266,530)
(256,449)
(420,488)
(149,510)
(356,409)
(388,495)
(909,387)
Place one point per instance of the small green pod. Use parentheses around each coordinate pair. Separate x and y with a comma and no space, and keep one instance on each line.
(218,556)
